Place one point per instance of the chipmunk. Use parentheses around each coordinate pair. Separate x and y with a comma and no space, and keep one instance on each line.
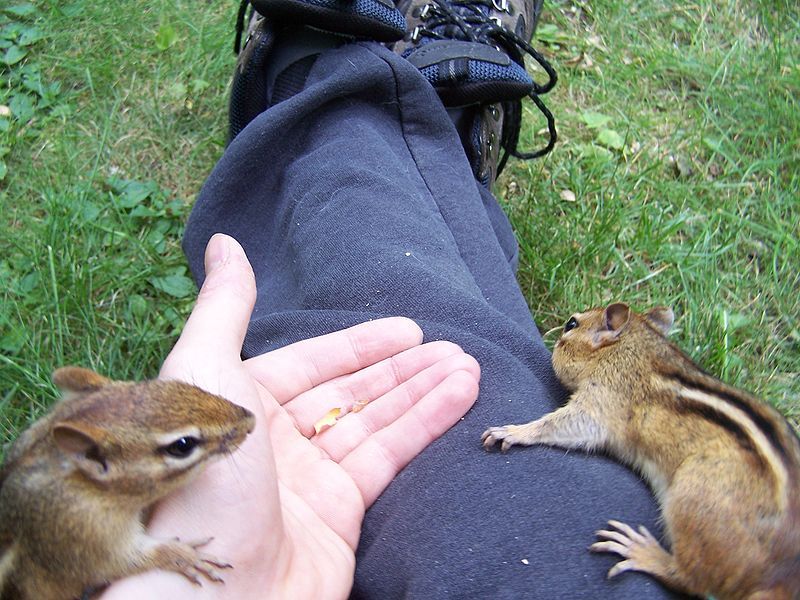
(725,467)
(76,485)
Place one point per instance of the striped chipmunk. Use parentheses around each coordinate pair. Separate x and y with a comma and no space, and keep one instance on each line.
(78,484)
(724,466)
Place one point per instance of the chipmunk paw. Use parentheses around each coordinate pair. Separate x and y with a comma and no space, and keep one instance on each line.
(186,559)
(640,549)
(507,435)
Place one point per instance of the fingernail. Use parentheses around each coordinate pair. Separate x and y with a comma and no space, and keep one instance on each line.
(217,252)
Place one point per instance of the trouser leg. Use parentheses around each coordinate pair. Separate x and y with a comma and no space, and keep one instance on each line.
(353,200)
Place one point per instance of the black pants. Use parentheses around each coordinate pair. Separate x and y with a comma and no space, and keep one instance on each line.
(353,199)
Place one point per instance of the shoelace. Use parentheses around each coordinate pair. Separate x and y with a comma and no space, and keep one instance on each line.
(468,20)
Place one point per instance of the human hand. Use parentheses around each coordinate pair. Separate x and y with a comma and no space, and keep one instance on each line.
(286,509)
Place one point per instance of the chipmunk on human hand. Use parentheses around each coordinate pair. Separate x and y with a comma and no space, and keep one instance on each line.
(724,466)
(76,485)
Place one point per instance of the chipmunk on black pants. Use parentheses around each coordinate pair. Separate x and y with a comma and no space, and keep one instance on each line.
(725,467)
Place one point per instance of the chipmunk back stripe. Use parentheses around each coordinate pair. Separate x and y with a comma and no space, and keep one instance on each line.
(761,444)
(711,413)
(740,402)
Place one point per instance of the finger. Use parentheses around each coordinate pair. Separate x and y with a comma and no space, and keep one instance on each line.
(356,390)
(381,456)
(294,369)
(355,428)
(218,322)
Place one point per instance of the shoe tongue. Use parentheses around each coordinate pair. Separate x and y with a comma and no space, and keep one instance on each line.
(453,50)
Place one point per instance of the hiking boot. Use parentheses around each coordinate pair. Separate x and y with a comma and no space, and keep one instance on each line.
(248,97)
(472,52)
(371,19)
(283,39)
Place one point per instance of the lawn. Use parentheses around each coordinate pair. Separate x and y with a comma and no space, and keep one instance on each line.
(676,180)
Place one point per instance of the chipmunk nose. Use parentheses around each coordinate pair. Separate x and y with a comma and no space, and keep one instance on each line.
(250,420)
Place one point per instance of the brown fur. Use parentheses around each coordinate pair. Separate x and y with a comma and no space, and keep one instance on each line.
(724,466)
(77,482)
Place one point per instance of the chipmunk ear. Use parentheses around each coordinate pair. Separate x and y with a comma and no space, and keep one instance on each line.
(81,444)
(75,380)
(614,321)
(661,317)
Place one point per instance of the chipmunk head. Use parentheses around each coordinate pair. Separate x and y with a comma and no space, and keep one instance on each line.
(591,335)
(144,439)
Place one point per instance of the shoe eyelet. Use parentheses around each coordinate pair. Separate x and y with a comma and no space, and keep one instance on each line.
(415,34)
(425,12)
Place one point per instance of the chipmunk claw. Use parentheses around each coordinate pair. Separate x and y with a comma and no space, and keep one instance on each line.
(621,567)
(193,575)
(492,436)
(204,567)
(207,558)
(209,573)
(186,559)
(507,435)
(640,549)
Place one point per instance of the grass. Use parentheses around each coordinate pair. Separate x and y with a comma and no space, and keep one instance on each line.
(675,181)
(101,172)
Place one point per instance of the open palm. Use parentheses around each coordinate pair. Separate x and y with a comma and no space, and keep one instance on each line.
(286,509)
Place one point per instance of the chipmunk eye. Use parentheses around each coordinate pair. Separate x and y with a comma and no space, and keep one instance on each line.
(571,324)
(182,447)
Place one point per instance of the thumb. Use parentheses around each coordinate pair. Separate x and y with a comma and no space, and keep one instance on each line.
(218,322)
